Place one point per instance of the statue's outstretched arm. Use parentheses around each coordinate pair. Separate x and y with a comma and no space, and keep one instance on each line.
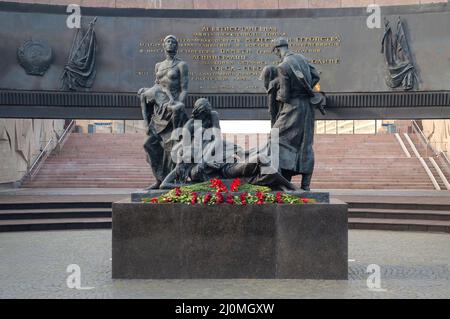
(169,181)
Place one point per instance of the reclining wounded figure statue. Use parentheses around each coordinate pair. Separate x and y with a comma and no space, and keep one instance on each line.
(216,157)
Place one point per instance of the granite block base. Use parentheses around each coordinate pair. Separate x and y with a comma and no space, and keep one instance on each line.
(178,241)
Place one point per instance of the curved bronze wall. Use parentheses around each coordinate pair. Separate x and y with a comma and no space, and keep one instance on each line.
(226,49)
(352,65)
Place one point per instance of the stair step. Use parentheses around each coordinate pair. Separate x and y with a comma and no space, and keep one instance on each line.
(91,223)
(399,206)
(399,214)
(55,213)
(399,224)
(54,224)
(55,205)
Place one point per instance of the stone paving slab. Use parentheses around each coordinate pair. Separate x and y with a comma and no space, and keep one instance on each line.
(33,265)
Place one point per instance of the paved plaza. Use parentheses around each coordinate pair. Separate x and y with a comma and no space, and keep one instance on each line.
(33,265)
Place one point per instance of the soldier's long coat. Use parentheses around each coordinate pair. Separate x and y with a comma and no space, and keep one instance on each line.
(295,120)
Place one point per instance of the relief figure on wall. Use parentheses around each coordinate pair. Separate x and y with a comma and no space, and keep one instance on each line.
(400,70)
(80,70)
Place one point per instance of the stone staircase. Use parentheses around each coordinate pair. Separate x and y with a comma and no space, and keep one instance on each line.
(342,162)
(445,167)
(99,160)
(62,215)
(399,216)
(438,166)
(365,162)
(79,213)
(435,173)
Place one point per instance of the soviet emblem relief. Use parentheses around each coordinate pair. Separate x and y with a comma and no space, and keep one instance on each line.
(35,57)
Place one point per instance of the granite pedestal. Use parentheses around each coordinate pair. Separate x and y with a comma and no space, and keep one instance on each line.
(178,241)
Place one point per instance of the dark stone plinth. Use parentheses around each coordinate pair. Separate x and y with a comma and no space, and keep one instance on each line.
(137,197)
(177,241)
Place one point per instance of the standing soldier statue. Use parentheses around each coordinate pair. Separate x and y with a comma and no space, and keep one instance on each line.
(292,104)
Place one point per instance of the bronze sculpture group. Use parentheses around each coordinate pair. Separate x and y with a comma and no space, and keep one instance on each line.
(176,160)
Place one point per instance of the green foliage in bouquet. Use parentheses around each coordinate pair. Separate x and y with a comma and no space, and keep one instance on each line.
(215,192)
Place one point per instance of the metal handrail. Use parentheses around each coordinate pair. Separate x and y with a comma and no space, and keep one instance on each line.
(436,154)
(44,153)
(66,131)
(62,140)
(417,129)
(425,141)
(36,161)
(446,157)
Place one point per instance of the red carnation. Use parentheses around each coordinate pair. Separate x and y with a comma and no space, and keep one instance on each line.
(177,191)
(230,199)
(235,185)
(154,200)
(194,198)
(260,195)
(218,185)
(219,198)
(279,198)
(207,198)
(243,198)
(305,200)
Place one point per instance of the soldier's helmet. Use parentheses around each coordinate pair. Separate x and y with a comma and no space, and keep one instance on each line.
(279,42)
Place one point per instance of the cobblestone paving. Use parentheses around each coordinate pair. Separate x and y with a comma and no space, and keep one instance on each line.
(33,265)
